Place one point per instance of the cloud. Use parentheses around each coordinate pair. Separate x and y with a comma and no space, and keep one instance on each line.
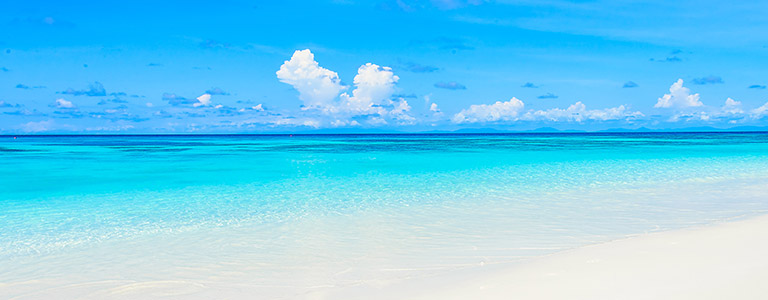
(373,85)
(114,100)
(299,122)
(176,100)
(400,111)
(433,108)
(217,91)
(4,69)
(38,126)
(154,65)
(679,96)
(203,100)
(4,104)
(411,95)
(513,110)
(499,111)
(711,79)
(453,44)
(453,85)
(760,112)
(24,112)
(668,59)
(61,103)
(757,86)
(629,84)
(548,96)
(371,101)
(317,86)
(26,87)
(529,85)
(95,89)
(732,107)
(418,68)
(731,111)
(578,112)
(691,116)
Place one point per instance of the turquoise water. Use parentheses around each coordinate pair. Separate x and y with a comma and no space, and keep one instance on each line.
(357,205)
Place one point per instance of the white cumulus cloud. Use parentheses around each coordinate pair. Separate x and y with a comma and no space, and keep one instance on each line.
(203,100)
(679,96)
(373,86)
(61,103)
(760,112)
(320,89)
(317,86)
(513,110)
(732,107)
(433,108)
(499,111)
(578,112)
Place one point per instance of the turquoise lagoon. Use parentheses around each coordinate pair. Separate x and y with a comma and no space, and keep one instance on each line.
(282,214)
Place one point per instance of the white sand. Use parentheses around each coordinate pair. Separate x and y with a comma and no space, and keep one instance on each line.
(721,261)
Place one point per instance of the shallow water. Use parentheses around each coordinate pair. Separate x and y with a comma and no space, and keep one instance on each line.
(281,215)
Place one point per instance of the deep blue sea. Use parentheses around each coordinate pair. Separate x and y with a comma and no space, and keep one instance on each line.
(295,211)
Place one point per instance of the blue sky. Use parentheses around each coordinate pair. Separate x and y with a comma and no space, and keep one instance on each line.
(403,65)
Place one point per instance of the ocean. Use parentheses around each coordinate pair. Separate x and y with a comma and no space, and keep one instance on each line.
(285,214)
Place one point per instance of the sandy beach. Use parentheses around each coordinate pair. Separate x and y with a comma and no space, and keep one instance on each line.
(719,261)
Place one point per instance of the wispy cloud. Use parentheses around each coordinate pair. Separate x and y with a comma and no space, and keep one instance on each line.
(547,96)
(24,112)
(95,89)
(757,86)
(411,95)
(452,44)
(419,68)
(669,59)
(452,85)
(26,87)
(177,100)
(711,79)
(4,104)
(216,91)
(629,84)
(529,85)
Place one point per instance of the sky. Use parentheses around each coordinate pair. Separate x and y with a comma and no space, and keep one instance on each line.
(232,66)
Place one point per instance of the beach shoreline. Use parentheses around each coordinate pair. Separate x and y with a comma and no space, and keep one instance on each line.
(720,260)
(723,260)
